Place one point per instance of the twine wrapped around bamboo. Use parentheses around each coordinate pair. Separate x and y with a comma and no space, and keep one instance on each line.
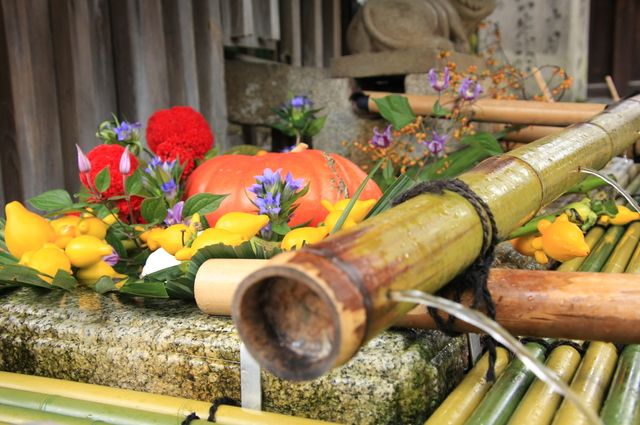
(311,310)
(505,111)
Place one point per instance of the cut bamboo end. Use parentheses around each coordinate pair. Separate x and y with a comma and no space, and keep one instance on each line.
(299,316)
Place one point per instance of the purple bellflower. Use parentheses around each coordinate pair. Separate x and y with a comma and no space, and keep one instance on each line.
(174,214)
(435,82)
(269,178)
(300,102)
(125,129)
(269,205)
(381,140)
(436,144)
(469,89)
(111,259)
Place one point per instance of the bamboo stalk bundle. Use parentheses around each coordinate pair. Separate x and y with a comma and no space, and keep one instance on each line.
(166,405)
(590,382)
(539,404)
(622,406)
(586,306)
(603,249)
(619,258)
(502,399)
(463,400)
(506,111)
(312,309)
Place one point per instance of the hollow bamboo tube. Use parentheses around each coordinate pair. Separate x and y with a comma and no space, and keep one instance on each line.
(216,281)
(590,382)
(531,303)
(592,238)
(167,405)
(527,134)
(586,306)
(19,415)
(506,111)
(619,258)
(502,399)
(463,400)
(634,262)
(310,310)
(540,402)
(622,406)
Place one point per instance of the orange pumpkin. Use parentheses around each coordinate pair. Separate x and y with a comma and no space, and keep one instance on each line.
(329,175)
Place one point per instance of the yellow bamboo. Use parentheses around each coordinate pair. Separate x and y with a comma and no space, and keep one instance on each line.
(168,405)
(463,400)
(506,111)
(590,382)
(540,402)
(619,258)
(310,310)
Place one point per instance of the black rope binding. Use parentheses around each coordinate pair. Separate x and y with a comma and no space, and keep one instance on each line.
(192,416)
(217,403)
(476,275)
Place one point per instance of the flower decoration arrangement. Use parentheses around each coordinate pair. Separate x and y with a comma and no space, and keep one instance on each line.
(138,227)
(297,118)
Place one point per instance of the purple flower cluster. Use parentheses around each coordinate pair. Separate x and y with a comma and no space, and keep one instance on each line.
(437,143)
(125,130)
(275,197)
(469,89)
(174,214)
(381,140)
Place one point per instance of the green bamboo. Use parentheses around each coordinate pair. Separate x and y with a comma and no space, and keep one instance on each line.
(463,400)
(622,406)
(540,402)
(590,382)
(633,187)
(531,226)
(310,310)
(598,257)
(84,409)
(503,398)
(619,258)
(634,262)
(592,238)
(18,415)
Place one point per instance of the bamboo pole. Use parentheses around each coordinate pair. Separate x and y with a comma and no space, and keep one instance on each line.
(19,415)
(130,399)
(464,399)
(542,85)
(586,306)
(506,111)
(540,402)
(619,258)
(590,383)
(311,310)
(622,406)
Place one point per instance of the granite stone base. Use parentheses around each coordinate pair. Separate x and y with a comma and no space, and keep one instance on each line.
(170,347)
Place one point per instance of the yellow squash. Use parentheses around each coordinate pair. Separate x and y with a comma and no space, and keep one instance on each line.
(25,231)
(242,223)
(86,250)
(47,260)
(296,238)
(560,240)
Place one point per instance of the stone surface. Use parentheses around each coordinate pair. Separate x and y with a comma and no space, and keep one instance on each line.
(255,89)
(546,32)
(170,347)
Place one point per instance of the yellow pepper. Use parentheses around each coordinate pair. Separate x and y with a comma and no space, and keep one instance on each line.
(622,218)
(25,231)
(86,250)
(173,238)
(150,237)
(356,215)
(93,226)
(47,260)
(301,236)
(560,240)
(65,224)
(241,223)
(89,275)
(523,244)
(209,237)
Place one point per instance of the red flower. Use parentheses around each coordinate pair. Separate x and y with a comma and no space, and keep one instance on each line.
(109,156)
(179,132)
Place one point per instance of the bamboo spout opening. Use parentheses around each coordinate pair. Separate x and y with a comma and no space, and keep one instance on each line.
(293,323)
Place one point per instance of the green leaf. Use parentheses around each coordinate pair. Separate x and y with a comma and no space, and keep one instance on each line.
(145,288)
(113,240)
(354,198)
(153,210)
(243,150)
(202,203)
(53,200)
(211,153)
(483,141)
(280,228)
(315,126)
(133,185)
(401,184)
(64,280)
(439,110)
(105,284)
(396,110)
(23,275)
(103,180)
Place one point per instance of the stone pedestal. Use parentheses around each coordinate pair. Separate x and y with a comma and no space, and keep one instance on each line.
(170,347)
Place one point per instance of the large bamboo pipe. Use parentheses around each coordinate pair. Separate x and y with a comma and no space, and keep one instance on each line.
(311,310)
(505,111)
(586,306)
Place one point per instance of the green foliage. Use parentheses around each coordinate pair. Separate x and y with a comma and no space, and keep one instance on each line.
(154,210)
(52,200)
(202,203)
(396,110)
(103,180)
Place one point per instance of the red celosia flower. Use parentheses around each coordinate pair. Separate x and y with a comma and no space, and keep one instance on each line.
(179,132)
(109,156)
